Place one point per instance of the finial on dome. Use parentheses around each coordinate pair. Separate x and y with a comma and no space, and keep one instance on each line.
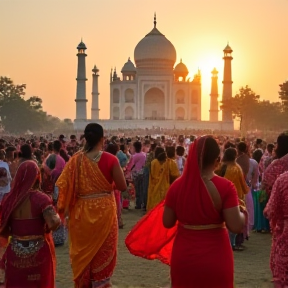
(181,60)
(128,58)
(155,22)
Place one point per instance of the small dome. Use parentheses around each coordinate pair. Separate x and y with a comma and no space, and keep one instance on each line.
(228,49)
(181,68)
(214,71)
(95,69)
(155,47)
(81,45)
(128,67)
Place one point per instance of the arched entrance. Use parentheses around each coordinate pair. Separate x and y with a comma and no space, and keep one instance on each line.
(116,96)
(129,113)
(116,113)
(129,96)
(180,97)
(154,104)
(180,113)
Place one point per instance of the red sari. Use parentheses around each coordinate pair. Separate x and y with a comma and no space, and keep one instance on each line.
(198,258)
(30,255)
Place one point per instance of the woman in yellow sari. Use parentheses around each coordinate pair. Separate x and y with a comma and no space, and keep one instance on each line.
(164,172)
(232,171)
(86,197)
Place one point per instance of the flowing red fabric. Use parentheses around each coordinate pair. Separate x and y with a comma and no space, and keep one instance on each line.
(26,175)
(149,238)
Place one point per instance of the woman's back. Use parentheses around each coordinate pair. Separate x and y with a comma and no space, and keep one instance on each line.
(227,194)
(27,219)
(92,177)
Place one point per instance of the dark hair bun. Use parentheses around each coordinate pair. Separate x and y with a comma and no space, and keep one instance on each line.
(93,134)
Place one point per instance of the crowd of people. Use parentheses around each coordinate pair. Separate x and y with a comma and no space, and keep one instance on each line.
(201,198)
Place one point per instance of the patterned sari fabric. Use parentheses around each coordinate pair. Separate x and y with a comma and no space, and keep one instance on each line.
(277,212)
(87,198)
(30,255)
(161,176)
(276,168)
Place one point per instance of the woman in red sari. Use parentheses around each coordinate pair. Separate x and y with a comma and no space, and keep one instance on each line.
(195,242)
(28,216)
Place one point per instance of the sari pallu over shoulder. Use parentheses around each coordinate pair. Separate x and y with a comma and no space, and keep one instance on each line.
(86,196)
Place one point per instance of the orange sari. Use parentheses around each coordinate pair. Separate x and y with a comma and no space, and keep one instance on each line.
(86,196)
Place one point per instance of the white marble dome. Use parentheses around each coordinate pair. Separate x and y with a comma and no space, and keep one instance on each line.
(128,67)
(155,50)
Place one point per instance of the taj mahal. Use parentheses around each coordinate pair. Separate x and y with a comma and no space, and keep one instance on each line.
(154,92)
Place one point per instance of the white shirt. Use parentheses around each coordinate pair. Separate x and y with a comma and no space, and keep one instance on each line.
(5,189)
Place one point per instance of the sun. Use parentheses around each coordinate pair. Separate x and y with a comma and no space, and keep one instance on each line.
(207,62)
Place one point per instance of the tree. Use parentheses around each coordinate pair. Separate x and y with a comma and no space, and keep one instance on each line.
(269,116)
(243,106)
(283,94)
(18,116)
(9,90)
(35,102)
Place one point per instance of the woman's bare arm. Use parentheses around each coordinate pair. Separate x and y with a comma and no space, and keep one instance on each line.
(234,219)
(169,217)
(118,178)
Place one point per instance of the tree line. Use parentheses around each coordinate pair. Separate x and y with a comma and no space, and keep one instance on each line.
(20,115)
(256,114)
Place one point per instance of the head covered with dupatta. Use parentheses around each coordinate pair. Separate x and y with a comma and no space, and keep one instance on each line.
(149,239)
(194,198)
(26,178)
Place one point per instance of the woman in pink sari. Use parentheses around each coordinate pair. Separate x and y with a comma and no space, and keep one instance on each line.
(198,207)
(28,216)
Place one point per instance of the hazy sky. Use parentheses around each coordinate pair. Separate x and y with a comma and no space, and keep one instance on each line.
(39,40)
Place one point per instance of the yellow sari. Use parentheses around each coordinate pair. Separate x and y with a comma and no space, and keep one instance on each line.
(160,179)
(235,175)
(85,195)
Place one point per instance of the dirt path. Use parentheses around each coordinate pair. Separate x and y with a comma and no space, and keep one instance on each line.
(251,266)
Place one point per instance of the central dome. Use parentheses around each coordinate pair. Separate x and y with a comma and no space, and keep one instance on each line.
(155,50)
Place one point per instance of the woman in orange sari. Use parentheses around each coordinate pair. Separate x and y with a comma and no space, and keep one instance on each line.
(28,216)
(198,207)
(86,197)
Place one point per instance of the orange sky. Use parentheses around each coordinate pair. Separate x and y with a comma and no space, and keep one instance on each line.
(39,40)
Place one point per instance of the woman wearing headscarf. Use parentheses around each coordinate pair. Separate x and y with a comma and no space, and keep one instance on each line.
(86,196)
(28,216)
(198,208)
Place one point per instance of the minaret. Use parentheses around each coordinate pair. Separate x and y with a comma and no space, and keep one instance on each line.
(81,110)
(227,82)
(214,96)
(95,100)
